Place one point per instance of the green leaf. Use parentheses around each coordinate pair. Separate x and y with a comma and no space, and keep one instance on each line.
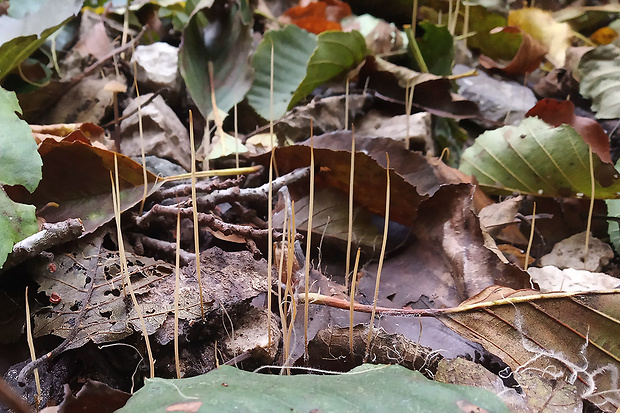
(17,221)
(535,158)
(292,49)
(28,25)
(437,48)
(222,35)
(336,53)
(498,46)
(600,80)
(365,389)
(20,163)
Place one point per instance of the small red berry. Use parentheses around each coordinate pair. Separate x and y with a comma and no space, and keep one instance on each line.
(55,298)
(52,267)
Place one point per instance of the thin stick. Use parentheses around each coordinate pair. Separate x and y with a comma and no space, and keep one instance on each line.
(531,239)
(591,210)
(195,213)
(351,308)
(350,228)
(177,363)
(33,355)
(123,262)
(381,256)
(270,245)
(308,246)
(215,172)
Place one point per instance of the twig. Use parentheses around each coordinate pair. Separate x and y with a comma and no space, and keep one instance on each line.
(259,194)
(184,190)
(50,235)
(168,248)
(208,220)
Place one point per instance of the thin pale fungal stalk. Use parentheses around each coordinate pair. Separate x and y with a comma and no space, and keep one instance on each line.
(177,266)
(308,246)
(270,245)
(381,256)
(141,132)
(123,262)
(271,95)
(33,355)
(591,209)
(466,19)
(236,139)
(408,107)
(346,104)
(350,227)
(195,213)
(351,308)
(529,242)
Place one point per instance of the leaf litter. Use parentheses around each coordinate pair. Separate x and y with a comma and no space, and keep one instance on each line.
(441,260)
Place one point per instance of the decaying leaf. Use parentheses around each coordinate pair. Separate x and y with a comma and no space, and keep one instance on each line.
(76,176)
(574,336)
(89,280)
(600,80)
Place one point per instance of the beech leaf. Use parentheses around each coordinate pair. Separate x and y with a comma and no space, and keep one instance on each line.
(536,158)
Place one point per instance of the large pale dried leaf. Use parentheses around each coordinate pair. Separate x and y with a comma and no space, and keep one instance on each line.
(542,27)
(535,158)
(445,263)
(575,336)
(600,80)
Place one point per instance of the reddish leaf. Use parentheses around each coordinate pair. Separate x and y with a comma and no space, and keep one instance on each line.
(528,57)
(76,176)
(319,16)
(332,170)
(558,112)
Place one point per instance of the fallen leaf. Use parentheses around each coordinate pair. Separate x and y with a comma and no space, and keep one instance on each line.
(541,25)
(537,159)
(575,336)
(562,112)
(526,60)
